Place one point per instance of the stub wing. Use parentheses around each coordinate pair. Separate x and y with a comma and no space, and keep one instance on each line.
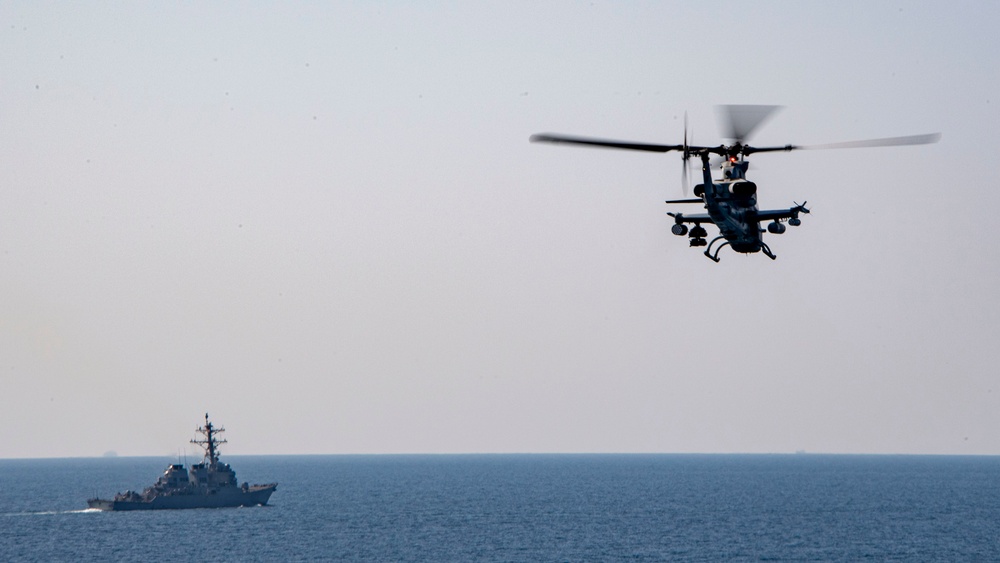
(765,215)
(696,218)
(779,214)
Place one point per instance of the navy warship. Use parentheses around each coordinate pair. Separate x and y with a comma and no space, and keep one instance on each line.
(209,484)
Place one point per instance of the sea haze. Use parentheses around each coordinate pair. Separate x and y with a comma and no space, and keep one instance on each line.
(522,508)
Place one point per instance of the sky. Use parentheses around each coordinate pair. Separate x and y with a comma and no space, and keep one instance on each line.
(324,224)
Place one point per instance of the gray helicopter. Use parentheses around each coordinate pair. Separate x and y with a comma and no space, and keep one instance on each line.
(731,201)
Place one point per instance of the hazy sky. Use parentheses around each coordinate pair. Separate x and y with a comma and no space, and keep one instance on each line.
(325,225)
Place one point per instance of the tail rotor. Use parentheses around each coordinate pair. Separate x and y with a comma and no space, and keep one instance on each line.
(685,164)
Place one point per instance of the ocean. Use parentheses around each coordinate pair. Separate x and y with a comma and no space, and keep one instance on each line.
(522,508)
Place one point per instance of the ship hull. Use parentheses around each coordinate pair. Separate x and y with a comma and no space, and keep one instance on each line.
(257,495)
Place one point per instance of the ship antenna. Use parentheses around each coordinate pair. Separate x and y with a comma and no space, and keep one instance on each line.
(210,443)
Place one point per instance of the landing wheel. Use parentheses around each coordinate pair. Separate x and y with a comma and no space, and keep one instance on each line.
(795,221)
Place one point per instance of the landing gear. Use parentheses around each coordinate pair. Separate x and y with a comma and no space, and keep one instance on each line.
(713,254)
(767,251)
(708,251)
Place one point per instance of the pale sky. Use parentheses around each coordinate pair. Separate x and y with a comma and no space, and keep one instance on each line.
(325,226)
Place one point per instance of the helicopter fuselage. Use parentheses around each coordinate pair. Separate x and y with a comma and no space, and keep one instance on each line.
(732,205)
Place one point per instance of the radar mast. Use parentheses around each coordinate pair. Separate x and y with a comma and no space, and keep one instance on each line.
(210,443)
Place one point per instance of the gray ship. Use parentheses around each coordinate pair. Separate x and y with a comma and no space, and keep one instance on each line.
(209,484)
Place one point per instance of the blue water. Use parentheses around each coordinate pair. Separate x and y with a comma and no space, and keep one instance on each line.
(523,508)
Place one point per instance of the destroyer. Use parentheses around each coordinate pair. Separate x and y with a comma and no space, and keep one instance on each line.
(209,484)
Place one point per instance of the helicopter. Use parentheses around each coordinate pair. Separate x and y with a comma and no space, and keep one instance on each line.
(731,201)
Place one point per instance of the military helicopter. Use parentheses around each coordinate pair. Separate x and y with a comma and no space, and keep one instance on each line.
(731,201)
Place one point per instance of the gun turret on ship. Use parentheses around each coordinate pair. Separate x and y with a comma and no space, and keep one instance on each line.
(209,484)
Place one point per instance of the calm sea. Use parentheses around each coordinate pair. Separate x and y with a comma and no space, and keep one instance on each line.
(523,508)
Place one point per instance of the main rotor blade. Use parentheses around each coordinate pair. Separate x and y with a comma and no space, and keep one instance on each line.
(564,139)
(887,142)
(748,150)
(739,122)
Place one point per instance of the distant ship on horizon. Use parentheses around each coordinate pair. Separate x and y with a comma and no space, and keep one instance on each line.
(209,484)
